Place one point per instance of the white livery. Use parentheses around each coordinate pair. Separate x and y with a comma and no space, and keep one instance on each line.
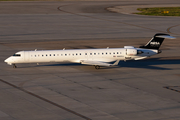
(96,57)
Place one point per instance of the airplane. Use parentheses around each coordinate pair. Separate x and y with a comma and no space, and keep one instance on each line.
(96,57)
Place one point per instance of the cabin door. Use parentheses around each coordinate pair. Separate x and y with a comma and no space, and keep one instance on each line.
(26,56)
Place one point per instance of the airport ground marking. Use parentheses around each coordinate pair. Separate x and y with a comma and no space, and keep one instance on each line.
(44,99)
(172,88)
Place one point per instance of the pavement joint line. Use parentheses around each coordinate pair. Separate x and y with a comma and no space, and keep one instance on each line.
(170,88)
(130,24)
(44,99)
(169,29)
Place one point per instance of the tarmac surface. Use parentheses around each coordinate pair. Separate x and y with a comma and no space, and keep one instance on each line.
(135,90)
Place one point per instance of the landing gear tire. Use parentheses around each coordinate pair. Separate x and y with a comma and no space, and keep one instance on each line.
(14,66)
(97,66)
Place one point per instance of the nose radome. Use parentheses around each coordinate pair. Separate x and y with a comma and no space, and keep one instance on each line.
(8,60)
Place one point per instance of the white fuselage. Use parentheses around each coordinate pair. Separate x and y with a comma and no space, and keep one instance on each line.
(77,55)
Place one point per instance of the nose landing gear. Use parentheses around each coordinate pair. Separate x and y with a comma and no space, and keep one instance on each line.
(14,66)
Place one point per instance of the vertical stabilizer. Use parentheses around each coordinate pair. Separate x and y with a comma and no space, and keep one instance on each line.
(156,41)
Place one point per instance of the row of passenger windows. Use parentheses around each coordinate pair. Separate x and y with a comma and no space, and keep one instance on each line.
(76,54)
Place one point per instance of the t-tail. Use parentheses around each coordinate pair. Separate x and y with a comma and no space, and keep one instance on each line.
(156,41)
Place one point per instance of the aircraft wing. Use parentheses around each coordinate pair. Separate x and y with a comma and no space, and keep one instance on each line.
(140,58)
(99,63)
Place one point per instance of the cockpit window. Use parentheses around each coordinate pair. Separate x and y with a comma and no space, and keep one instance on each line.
(17,55)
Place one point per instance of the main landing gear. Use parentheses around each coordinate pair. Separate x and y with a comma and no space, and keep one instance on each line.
(97,66)
(14,66)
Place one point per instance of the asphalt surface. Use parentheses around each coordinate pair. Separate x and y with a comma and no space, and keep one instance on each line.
(135,90)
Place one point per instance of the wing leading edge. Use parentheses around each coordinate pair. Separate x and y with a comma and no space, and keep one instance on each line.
(97,64)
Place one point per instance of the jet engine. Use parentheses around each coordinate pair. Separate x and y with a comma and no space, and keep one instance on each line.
(131,52)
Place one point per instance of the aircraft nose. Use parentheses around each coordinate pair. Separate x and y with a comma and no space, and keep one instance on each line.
(8,60)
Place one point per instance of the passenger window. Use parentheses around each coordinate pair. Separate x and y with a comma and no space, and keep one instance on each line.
(106,53)
(46,55)
(94,53)
(85,53)
(110,53)
(117,53)
(113,52)
(42,55)
(102,53)
(65,54)
(50,55)
(76,54)
(90,53)
(54,54)
(80,54)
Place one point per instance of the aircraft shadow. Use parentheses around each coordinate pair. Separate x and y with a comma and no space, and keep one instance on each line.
(150,63)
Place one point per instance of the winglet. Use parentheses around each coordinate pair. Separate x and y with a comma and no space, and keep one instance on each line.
(116,63)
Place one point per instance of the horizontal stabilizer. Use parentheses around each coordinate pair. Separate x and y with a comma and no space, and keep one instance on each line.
(166,36)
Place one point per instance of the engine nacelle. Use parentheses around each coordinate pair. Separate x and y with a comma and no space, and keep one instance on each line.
(131,52)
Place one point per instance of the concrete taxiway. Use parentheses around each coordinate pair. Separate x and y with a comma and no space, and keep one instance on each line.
(135,90)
